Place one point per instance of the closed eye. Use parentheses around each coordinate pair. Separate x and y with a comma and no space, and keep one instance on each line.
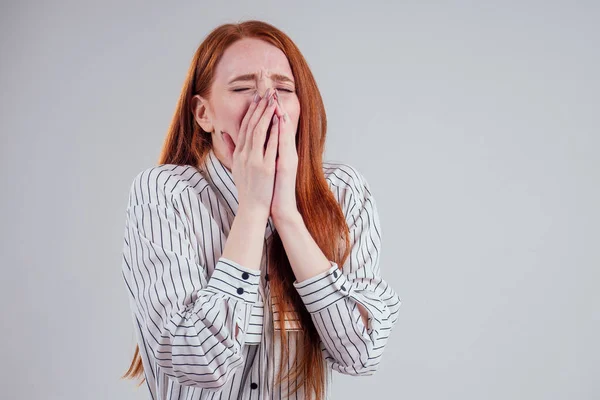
(280,90)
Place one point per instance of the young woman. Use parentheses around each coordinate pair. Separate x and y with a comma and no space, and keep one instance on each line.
(252,266)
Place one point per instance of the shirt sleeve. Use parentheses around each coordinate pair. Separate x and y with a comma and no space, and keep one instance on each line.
(189,321)
(332,297)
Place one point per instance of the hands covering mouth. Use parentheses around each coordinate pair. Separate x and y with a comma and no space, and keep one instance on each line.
(266,140)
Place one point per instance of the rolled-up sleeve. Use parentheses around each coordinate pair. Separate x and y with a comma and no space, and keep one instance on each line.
(332,297)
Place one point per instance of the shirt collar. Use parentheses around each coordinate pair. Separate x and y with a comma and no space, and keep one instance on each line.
(222,180)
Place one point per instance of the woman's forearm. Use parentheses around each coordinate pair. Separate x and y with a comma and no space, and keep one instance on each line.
(246,238)
(306,257)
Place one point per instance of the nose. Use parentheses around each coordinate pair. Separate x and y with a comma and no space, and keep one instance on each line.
(263,85)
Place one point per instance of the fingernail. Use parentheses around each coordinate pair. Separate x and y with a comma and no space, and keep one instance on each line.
(271,100)
(275,119)
(256,97)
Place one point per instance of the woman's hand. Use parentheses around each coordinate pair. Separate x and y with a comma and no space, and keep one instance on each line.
(283,204)
(253,166)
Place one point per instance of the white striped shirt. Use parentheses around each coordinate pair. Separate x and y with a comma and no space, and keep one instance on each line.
(186,299)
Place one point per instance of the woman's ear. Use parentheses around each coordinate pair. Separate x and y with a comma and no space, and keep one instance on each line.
(201,113)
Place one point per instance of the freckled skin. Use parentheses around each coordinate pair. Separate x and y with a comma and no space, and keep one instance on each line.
(225,109)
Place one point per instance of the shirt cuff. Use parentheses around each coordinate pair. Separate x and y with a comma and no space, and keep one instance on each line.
(322,290)
(235,280)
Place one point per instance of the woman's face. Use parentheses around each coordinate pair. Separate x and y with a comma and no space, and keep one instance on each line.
(247,66)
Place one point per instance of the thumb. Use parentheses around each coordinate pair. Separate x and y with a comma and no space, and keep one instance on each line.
(229,143)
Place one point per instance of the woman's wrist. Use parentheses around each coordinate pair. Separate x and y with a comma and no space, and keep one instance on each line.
(245,240)
(253,215)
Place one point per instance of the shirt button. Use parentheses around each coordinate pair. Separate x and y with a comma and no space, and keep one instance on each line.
(253,385)
(335,274)
(240,290)
(245,275)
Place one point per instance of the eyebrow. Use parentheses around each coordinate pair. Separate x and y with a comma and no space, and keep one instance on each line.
(253,77)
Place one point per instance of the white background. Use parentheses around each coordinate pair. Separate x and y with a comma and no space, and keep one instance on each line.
(477,125)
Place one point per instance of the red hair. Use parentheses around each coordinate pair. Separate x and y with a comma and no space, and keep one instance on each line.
(187,144)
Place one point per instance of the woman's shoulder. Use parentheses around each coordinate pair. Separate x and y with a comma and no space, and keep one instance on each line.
(157,184)
(342,175)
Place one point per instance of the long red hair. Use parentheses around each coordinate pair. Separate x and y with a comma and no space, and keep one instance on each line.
(187,144)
